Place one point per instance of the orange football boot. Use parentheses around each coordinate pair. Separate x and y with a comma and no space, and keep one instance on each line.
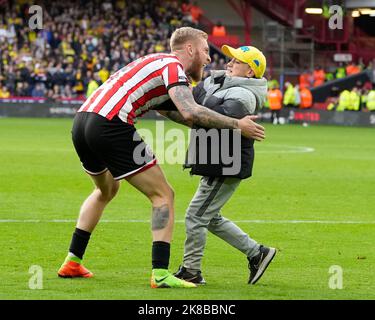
(71,269)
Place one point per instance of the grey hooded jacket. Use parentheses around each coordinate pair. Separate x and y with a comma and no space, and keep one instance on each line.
(234,97)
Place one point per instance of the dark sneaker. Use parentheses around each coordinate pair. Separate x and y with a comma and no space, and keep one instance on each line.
(259,263)
(182,273)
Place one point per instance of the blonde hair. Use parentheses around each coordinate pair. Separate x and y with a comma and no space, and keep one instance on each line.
(184,34)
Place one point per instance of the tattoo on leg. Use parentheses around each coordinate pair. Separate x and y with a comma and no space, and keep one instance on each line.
(160,217)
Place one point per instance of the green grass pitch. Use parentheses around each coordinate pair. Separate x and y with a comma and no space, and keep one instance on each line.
(311,196)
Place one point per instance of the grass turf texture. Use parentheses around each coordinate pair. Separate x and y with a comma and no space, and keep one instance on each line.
(41,179)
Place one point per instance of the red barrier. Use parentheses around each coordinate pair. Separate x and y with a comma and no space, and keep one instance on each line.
(231,40)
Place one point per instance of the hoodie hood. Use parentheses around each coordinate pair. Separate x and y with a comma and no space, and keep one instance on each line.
(258,87)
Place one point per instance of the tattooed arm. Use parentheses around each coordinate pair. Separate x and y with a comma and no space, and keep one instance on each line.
(197,114)
(176,117)
(194,113)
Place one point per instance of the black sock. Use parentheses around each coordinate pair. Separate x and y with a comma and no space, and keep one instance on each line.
(79,242)
(160,254)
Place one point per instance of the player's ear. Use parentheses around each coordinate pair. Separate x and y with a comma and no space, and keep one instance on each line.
(189,48)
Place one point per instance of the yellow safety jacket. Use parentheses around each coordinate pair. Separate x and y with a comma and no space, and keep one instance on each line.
(92,86)
(344,101)
(355,101)
(289,96)
(370,103)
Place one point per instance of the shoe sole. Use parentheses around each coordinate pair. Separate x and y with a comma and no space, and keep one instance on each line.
(166,286)
(263,266)
(192,280)
(88,275)
(162,286)
(197,283)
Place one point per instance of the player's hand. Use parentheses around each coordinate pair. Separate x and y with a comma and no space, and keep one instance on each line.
(251,129)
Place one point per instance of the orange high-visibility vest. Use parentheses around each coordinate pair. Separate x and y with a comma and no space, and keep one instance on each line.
(319,77)
(352,69)
(275,99)
(304,80)
(306,98)
(219,31)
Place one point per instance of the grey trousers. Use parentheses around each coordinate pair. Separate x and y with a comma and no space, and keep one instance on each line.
(203,214)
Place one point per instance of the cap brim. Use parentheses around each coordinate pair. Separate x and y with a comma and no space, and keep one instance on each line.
(232,53)
(228,51)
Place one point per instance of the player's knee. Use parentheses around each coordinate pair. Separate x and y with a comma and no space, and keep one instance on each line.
(162,195)
(115,188)
(171,193)
(108,193)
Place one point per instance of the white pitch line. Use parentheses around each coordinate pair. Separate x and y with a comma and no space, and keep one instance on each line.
(292,149)
(182,221)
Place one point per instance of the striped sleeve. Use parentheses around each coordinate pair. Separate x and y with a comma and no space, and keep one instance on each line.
(174,75)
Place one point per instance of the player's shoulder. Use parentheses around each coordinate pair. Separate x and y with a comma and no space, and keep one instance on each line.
(159,63)
(169,57)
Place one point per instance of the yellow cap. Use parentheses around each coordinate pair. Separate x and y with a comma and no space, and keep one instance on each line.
(250,55)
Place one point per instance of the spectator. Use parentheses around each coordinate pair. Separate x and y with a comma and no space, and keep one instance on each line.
(38,91)
(67,92)
(351,69)
(355,100)
(196,12)
(340,72)
(186,6)
(332,103)
(219,30)
(306,98)
(275,99)
(305,79)
(289,95)
(344,101)
(370,100)
(319,76)
(93,85)
(103,74)
(297,96)
(4,92)
(55,93)
(329,76)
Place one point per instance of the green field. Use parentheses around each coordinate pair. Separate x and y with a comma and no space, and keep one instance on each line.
(312,196)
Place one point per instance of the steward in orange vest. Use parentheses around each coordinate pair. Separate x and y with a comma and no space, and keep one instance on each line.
(305,79)
(219,30)
(275,100)
(319,76)
(306,98)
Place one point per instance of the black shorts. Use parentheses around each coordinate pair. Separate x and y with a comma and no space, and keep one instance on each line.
(113,145)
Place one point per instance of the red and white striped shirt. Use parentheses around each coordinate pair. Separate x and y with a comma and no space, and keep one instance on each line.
(136,88)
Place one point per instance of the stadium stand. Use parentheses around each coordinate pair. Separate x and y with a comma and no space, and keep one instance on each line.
(81,43)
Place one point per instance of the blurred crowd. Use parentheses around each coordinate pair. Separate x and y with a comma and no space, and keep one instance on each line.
(82,42)
(359,98)
(293,96)
(321,75)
